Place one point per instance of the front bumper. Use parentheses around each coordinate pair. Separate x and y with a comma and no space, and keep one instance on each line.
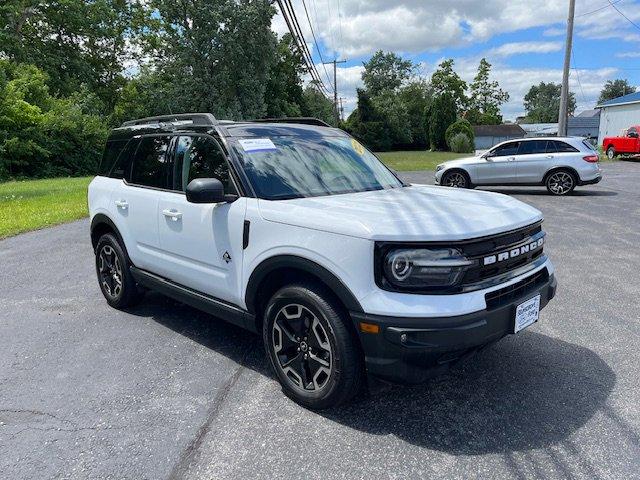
(411,350)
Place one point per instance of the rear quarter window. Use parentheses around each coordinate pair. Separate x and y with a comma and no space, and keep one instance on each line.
(112,151)
(561,147)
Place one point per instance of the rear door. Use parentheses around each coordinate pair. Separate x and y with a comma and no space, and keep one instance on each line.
(531,161)
(201,244)
(135,200)
(498,167)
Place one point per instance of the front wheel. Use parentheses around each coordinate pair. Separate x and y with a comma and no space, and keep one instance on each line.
(311,349)
(561,182)
(456,179)
(611,153)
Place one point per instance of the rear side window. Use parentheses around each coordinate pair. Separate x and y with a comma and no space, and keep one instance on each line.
(532,147)
(556,146)
(150,162)
(111,153)
(123,162)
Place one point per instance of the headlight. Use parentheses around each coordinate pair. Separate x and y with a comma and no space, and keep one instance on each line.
(439,167)
(425,268)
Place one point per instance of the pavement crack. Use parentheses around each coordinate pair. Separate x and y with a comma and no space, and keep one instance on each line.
(187,456)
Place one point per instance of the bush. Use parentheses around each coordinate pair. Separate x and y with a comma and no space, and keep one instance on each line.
(457,127)
(41,135)
(460,143)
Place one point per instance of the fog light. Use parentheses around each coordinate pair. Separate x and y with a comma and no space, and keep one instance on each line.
(403,338)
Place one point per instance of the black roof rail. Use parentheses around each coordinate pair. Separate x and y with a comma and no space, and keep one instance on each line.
(303,120)
(194,118)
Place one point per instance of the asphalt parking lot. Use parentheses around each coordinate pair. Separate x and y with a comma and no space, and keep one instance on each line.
(163,391)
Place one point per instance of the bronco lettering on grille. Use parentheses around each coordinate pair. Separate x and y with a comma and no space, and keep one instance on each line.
(514,252)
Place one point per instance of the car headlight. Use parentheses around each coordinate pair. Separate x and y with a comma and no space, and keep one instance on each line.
(425,268)
(439,167)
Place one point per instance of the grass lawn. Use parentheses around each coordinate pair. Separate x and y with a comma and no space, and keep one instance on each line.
(32,204)
(417,160)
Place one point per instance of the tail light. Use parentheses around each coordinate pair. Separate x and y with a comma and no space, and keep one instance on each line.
(591,158)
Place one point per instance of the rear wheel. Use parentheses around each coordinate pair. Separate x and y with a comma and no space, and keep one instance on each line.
(611,153)
(311,349)
(560,182)
(456,179)
(115,280)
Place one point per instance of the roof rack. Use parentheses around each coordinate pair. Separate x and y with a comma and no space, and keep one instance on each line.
(180,118)
(303,120)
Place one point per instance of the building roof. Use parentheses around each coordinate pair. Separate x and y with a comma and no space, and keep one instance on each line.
(625,99)
(505,130)
(588,114)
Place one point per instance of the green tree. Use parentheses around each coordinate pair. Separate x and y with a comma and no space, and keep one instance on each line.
(41,135)
(284,94)
(486,98)
(459,126)
(446,81)
(614,89)
(75,42)
(417,97)
(386,72)
(217,55)
(316,105)
(542,103)
(443,114)
(366,124)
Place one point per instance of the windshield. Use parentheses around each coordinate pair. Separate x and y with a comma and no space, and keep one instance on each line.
(294,167)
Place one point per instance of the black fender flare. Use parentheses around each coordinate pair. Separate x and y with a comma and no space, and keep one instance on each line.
(271,264)
(101,219)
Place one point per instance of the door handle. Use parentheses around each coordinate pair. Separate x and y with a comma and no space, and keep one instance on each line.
(122,204)
(511,159)
(173,214)
(549,156)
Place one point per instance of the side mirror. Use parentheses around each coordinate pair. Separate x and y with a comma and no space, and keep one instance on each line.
(633,135)
(207,190)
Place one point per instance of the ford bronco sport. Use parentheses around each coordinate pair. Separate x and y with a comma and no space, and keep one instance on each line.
(295,230)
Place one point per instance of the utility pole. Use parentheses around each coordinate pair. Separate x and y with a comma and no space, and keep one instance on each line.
(564,92)
(335,86)
(341,108)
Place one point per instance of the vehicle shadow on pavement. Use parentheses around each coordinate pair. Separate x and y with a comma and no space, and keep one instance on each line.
(544,193)
(525,392)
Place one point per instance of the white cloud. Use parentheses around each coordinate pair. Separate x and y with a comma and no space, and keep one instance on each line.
(628,55)
(516,48)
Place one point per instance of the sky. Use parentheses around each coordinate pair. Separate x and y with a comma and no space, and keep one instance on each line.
(522,39)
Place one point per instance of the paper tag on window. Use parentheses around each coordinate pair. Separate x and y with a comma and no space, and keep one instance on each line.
(257,145)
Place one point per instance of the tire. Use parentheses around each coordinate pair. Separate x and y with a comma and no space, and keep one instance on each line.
(311,349)
(456,179)
(561,182)
(114,277)
(611,153)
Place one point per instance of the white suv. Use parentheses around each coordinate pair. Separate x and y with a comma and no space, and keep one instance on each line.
(560,164)
(296,231)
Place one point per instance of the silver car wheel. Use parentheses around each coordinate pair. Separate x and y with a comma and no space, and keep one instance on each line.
(560,183)
(456,180)
(302,348)
(110,271)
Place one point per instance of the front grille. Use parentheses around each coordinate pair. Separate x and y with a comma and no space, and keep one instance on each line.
(501,244)
(505,295)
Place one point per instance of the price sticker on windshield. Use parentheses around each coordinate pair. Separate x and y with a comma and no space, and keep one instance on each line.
(357,147)
(250,145)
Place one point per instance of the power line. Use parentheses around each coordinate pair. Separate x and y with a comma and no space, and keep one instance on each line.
(598,9)
(315,41)
(294,28)
(584,98)
(626,18)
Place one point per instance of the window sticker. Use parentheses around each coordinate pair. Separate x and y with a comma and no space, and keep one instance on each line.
(257,145)
(357,147)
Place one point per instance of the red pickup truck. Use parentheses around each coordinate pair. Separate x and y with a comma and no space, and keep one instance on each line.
(629,144)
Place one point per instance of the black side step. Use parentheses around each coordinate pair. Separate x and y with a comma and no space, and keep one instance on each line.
(218,308)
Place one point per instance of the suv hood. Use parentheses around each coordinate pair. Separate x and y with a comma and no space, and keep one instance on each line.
(414,213)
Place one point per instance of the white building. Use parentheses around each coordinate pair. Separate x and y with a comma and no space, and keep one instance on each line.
(618,115)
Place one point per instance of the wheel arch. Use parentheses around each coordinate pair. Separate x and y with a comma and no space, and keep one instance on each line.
(102,224)
(556,168)
(274,272)
(460,169)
